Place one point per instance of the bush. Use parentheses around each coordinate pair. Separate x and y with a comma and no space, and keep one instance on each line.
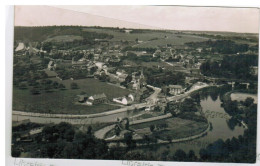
(35,91)
(74,85)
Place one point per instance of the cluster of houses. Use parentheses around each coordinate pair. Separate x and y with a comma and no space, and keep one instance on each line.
(175,89)
(92,100)
(52,65)
(102,98)
(22,49)
(126,100)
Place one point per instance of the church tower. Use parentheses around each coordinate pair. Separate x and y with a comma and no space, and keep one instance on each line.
(142,79)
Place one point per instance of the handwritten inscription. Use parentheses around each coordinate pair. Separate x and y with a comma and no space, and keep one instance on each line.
(198,143)
(139,163)
(258,156)
(22,162)
(213,114)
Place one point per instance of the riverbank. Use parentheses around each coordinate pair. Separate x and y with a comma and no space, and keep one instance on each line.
(159,141)
(241,95)
(102,132)
(79,119)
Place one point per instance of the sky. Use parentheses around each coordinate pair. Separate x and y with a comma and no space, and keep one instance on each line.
(151,17)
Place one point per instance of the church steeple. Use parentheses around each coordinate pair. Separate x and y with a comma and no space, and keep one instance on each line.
(142,79)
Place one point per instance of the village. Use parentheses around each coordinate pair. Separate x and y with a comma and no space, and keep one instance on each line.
(104,64)
(147,90)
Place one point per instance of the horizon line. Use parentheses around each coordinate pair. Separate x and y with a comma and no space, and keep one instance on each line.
(162,29)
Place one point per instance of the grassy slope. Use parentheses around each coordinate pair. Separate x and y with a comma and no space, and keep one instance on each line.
(178,128)
(62,101)
(63,38)
(172,38)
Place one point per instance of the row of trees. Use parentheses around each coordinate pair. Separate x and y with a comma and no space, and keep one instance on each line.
(46,85)
(75,73)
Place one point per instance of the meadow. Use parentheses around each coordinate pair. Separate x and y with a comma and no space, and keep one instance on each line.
(64,101)
(151,38)
(177,128)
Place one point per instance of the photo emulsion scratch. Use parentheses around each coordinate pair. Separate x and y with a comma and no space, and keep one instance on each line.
(134,83)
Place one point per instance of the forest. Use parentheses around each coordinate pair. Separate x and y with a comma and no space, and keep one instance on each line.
(221,46)
(234,66)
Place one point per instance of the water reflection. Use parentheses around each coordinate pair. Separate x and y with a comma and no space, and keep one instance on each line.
(223,126)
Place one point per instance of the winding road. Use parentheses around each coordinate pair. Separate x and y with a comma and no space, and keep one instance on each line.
(80,119)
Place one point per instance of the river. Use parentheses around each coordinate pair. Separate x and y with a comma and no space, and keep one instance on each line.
(217,117)
(211,106)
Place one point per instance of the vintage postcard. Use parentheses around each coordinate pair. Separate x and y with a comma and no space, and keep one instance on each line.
(135,83)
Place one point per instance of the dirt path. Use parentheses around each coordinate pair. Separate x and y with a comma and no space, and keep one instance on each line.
(102,132)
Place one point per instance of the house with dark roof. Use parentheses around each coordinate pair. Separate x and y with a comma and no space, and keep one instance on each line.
(82,98)
(96,99)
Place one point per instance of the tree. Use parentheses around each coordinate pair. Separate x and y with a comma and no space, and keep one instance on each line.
(192,156)
(165,154)
(47,87)
(128,79)
(90,56)
(15,152)
(35,91)
(22,85)
(55,84)
(47,46)
(249,101)
(152,127)
(204,154)
(165,90)
(127,124)
(117,130)
(169,138)
(74,85)
(180,155)
(103,77)
(89,130)
(128,138)
(188,106)
(157,109)
(50,134)
(61,86)
(136,40)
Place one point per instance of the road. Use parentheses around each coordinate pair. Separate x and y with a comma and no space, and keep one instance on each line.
(172,141)
(80,118)
(152,99)
(124,109)
(102,132)
(73,116)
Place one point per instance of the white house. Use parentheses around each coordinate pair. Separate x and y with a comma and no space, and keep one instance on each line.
(175,89)
(124,100)
(51,65)
(96,99)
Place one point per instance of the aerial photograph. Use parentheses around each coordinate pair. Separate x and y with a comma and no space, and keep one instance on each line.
(152,83)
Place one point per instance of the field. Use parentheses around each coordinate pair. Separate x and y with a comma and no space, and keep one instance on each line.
(63,38)
(63,101)
(173,39)
(177,128)
(124,36)
(147,36)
